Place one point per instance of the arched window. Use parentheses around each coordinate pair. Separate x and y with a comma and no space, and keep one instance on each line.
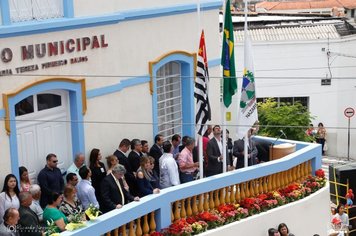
(169,99)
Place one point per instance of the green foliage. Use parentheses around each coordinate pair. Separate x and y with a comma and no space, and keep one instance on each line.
(292,119)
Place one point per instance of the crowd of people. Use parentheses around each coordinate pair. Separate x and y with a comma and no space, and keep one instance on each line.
(281,230)
(318,135)
(133,171)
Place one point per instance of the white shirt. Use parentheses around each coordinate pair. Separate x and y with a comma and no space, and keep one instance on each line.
(220,147)
(36,207)
(169,175)
(6,203)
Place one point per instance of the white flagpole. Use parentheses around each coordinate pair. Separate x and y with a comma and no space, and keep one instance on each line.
(224,139)
(245,51)
(200,151)
(200,137)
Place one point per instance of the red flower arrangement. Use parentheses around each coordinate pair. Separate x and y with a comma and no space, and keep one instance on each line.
(179,228)
(227,213)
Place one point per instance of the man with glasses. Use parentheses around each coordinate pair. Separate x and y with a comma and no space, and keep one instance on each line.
(50,179)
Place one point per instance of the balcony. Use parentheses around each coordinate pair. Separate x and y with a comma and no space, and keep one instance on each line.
(307,216)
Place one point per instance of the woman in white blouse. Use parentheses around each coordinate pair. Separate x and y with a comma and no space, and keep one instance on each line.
(9,195)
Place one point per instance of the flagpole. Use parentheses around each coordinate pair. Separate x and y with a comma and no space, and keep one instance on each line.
(245,62)
(224,138)
(200,151)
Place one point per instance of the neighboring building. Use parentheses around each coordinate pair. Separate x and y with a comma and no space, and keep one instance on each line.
(311,61)
(331,7)
(77,75)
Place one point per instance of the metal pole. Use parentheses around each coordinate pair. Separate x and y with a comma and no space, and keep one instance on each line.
(348,141)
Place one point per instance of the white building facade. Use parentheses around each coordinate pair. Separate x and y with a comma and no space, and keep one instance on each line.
(77,75)
(292,63)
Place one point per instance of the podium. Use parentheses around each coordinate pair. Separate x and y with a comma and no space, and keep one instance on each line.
(281,150)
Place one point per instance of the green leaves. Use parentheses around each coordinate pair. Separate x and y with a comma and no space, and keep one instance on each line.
(292,119)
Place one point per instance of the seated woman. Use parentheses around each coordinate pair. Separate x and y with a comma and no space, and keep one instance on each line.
(70,205)
(143,178)
(283,230)
(51,213)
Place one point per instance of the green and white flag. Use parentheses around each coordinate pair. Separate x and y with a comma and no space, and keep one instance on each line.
(247,114)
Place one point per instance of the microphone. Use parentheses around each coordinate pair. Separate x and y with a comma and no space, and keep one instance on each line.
(283,134)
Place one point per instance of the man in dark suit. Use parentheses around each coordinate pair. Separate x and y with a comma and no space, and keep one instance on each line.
(29,224)
(120,153)
(156,151)
(114,195)
(238,151)
(134,159)
(214,153)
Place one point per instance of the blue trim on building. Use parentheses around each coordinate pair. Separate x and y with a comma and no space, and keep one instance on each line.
(2,113)
(52,25)
(5,12)
(68,8)
(118,87)
(187,73)
(75,110)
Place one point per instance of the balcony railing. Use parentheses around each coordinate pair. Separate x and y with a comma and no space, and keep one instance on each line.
(158,211)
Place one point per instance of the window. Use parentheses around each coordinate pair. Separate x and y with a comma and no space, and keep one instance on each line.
(36,103)
(24,107)
(353,13)
(289,100)
(47,101)
(169,100)
(28,10)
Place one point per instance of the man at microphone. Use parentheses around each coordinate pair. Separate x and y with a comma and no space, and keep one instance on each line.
(238,150)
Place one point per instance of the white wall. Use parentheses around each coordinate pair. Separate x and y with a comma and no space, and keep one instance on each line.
(305,217)
(90,7)
(275,61)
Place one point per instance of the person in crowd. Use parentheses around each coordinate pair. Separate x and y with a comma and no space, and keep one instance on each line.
(79,161)
(145,148)
(205,144)
(176,142)
(229,147)
(9,195)
(130,175)
(25,183)
(111,161)
(283,230)
(238,150)
(52,213)
(187,166)
(98,171)
(273,232)
(336,228)
(182,146)
(10,220)
(169,175)
(310,132)
(135,154)
(29,222)
(35,191)
(154,180)
(156,151)
(114,194)
(321,136)
(50,179)
(70,205)
(144,178)
(85,190)
(72,179)
(341,214)
(214,153)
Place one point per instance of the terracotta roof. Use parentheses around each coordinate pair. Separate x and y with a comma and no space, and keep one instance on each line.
(350,4)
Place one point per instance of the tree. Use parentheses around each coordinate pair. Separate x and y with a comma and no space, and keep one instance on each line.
(292,119)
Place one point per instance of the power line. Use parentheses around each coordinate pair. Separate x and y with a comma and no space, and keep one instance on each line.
(170,123)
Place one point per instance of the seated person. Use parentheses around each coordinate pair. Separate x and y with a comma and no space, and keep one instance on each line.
(70,205)
(51,212)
